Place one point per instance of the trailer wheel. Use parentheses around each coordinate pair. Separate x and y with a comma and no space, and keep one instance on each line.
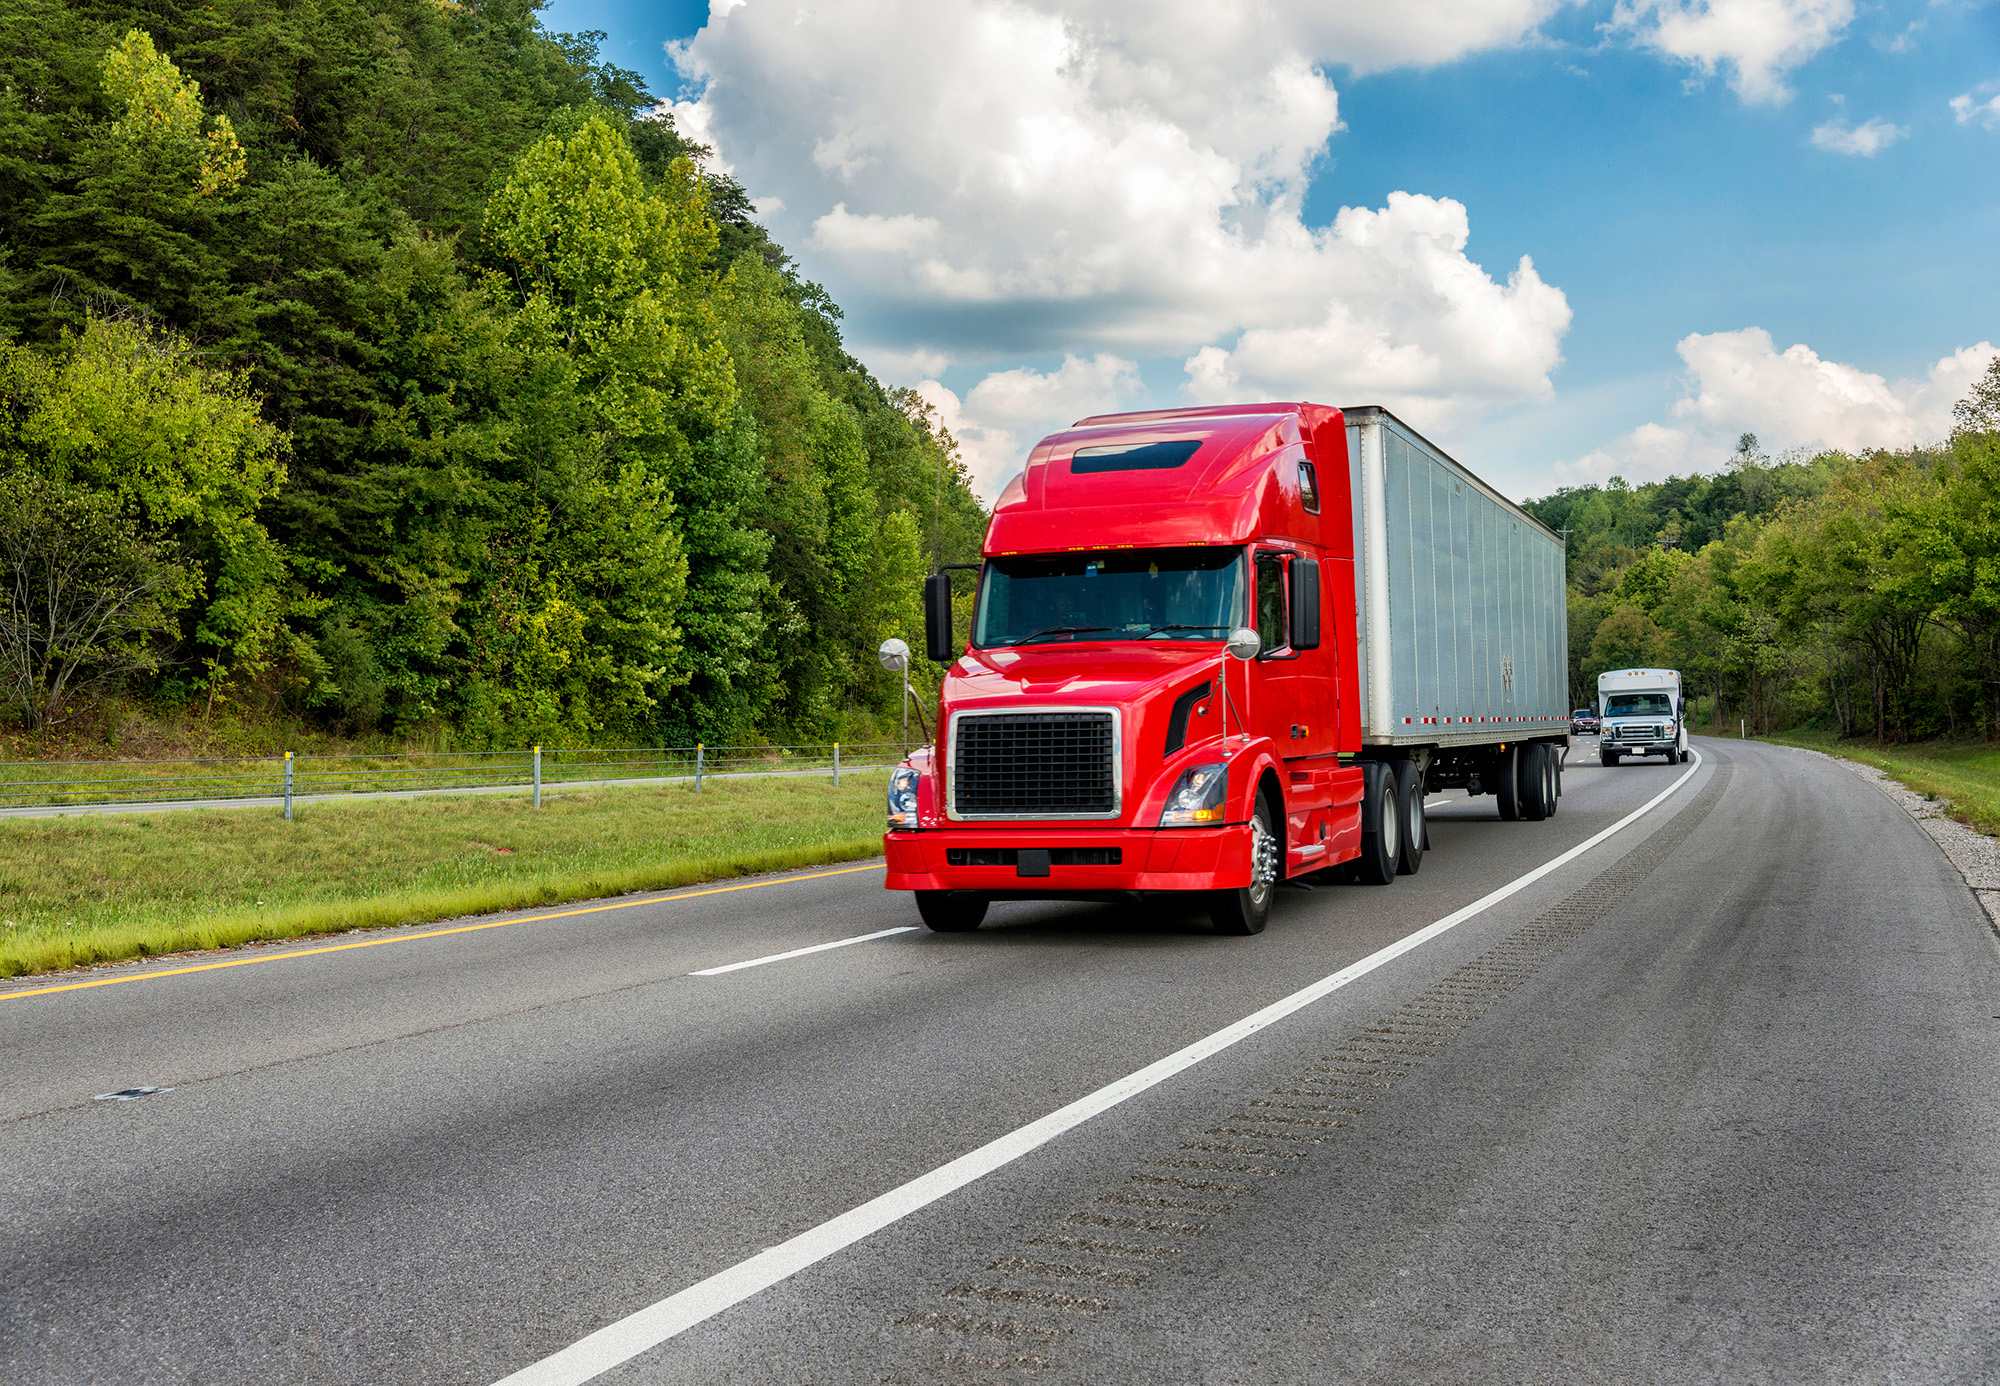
(1410,802)
(1248,909)
(1534,782)
(1507,786)
(950,912)
(1381,850)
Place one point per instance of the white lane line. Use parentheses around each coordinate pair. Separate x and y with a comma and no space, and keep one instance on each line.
(801,952)
(649,1327)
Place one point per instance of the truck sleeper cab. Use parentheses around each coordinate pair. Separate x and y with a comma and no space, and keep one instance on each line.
(1096,736)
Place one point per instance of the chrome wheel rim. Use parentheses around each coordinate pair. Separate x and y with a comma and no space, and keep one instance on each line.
(1392,831)
(1263,861)
(1415,827)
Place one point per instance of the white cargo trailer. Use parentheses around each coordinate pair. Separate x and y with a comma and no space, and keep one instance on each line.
(1462,613)
(1462,617)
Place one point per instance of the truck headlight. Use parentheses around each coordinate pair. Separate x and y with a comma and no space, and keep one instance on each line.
(903,798)
(1198,797)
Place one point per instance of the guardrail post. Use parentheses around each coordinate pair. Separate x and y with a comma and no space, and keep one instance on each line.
(288,786)
(699,748)
(836,765)
(538,777)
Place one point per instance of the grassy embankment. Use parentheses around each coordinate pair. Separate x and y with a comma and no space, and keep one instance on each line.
(1968,776)
(95,888)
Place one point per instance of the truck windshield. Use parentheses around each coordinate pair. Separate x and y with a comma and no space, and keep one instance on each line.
(1116,594)
(1639,705)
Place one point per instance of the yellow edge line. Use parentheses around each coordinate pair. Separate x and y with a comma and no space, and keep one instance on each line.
(433,933)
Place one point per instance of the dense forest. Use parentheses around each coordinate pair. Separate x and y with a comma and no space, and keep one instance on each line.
(1852,594)
(398,370)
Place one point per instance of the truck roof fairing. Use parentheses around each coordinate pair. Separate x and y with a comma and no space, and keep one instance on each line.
(1240,483)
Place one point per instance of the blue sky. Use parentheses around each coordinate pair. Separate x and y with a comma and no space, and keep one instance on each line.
(1665,186)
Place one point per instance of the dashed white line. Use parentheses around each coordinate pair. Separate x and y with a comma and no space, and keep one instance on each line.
(801,952)
(647,1328)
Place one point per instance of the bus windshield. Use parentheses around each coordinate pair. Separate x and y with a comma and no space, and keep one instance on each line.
(1639,705)
(1113,594)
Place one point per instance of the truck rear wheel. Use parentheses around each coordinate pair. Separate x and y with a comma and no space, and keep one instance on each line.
(1381,847)
(1535,805)
(1507,783)
(1247,910)
(1410,802)
(951,912)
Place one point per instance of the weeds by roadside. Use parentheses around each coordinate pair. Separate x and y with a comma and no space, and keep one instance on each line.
(97,888)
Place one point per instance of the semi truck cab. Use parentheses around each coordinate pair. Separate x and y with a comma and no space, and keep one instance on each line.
(1170,684)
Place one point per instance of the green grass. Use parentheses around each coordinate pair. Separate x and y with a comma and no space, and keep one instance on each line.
(95,888)
(1968,776)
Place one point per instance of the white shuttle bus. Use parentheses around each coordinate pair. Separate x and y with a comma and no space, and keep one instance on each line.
(1640,712)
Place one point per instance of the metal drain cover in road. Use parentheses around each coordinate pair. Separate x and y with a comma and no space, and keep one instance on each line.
(127,1094)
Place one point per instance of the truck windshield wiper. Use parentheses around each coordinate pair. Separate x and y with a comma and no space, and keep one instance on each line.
(1060,630)
(1161,630)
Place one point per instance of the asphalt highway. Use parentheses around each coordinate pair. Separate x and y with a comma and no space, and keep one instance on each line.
(1718,1099)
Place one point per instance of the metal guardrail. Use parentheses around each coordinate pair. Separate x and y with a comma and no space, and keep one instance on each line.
(55,784)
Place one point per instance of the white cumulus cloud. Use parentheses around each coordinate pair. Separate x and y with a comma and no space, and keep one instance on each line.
(1967,110)
(1759,41)
(1739,382)
(1867,139)
(1004,414)
(991,180)
(1796,398)
(1650,452)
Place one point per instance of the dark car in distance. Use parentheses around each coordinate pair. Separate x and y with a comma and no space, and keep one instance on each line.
(1583,722)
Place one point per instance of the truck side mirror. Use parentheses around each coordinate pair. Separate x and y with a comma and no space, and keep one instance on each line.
(1305,604)
(937,618)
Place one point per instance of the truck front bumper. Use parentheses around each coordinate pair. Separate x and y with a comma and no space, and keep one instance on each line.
(987,860)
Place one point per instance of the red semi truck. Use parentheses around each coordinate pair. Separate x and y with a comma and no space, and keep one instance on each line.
(1215,649)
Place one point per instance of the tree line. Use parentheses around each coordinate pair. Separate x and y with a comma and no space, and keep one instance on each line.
(399,367)
(1853,593)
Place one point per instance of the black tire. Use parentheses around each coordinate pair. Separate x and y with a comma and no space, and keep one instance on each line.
(1507,783)
(1380,849)
(1410,807)
(951,912)
(1534,782)
(1246,910)
(1607,758)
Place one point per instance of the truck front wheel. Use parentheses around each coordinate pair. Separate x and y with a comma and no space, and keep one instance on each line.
(1245,911)
(1607,758)
(950,912)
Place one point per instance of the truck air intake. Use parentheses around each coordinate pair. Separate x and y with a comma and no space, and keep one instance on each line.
(1034,764)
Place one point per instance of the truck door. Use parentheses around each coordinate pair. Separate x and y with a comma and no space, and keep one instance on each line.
(1292,696)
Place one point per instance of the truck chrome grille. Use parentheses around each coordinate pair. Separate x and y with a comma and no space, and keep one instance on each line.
(1034,764)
